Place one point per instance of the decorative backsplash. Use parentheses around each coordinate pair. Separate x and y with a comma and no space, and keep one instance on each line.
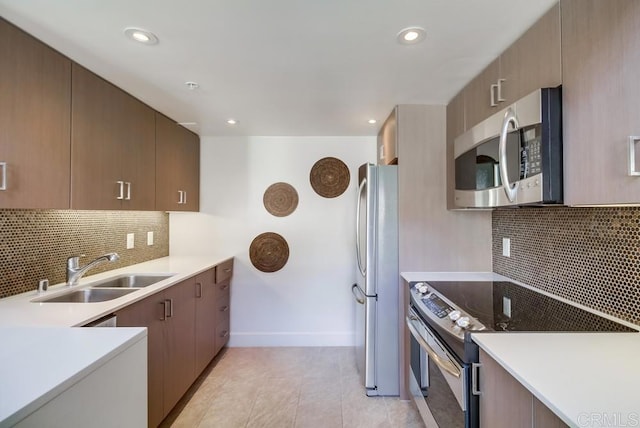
(35,244)
(587,255)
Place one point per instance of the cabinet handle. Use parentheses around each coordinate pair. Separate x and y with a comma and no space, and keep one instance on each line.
(633,172)
(493,90)
(3,186)
(121,194)
(179,197)
(185,197)
(164,310)
(475,367)
(224,286)
(198,289)
(224,334)
(225,308)
(500,99)
(170,308)
(227,271)
(128,197)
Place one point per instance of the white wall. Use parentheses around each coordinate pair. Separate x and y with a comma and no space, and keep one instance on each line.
(309,301)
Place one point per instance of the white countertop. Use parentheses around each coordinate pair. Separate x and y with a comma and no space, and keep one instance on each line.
(579,376)
(19,310)
(36,364)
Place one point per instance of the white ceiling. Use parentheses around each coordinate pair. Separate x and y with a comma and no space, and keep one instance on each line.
(280,67)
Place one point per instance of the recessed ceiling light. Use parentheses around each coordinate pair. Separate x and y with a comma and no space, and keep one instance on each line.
(372,121)
(192,85)
(141,36)
(411,35)
(232,121)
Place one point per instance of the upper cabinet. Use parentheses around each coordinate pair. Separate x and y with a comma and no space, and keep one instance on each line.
(531,62)
(455,127)
(112,147)
(387,141)
(35,101)
(177,167)
(601,111)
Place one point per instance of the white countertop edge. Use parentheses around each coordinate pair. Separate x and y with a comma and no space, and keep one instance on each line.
(134,335)
(477,338)
(20,310)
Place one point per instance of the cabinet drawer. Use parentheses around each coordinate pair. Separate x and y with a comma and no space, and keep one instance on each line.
(223,309)
(224,270)
(222,290)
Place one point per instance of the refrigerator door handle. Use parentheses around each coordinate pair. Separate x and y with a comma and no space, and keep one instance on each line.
(360,190)
(360,300)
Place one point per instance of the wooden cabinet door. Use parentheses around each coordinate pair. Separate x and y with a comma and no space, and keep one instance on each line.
(35,101)
(477,95)
(149,313)
(179,336)
(206,313)
(534,60)
(387,141)
(113,141)
(177,167)
(455,127)
(504,401)
(545,418)
(601,89)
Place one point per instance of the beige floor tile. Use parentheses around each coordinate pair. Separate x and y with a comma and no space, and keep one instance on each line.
(287,387)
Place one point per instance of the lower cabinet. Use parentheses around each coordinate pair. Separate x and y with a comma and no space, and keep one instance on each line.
(187,325)
(504,402)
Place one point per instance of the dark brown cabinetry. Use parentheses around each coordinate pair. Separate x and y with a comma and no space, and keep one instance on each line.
(177,167)
(504,402)
(206,317)
(601,113)
(188,324)
(112,147)
(531,62)
(35,101)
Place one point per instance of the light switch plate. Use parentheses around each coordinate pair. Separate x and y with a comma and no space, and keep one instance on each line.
(130,241)
(506,247)
(149,238)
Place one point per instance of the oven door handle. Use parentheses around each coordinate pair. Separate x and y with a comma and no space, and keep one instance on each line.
(443,364)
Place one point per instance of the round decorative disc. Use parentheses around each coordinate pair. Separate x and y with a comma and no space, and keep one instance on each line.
(329,177)
(269,252)
(280,199)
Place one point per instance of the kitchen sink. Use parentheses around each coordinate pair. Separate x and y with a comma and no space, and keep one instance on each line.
(89,295)
(130,281)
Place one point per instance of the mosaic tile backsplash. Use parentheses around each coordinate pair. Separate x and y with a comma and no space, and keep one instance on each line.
(35,244)
(587,255)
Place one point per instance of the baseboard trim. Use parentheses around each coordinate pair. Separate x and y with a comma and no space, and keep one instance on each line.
(249,339)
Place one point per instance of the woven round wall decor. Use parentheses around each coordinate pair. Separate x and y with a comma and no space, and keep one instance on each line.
(269,252)
(280,199)
(329,177)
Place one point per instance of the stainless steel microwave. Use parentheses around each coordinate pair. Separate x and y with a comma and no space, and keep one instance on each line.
(514,157)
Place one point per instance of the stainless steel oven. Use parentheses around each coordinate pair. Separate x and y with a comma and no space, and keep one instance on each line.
(441,317)
(437,378)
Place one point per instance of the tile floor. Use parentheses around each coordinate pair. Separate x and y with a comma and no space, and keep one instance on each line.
(287,387)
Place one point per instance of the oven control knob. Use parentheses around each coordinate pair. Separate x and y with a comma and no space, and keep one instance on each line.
(463,322)
(421,287)
(454,315)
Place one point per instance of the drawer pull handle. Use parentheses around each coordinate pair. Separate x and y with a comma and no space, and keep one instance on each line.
(224,334)
(227,270)
(633,140)
(474,378)
(121,191)
(224,287)
(225,308)
(3,176)
(198,289)
(128,197)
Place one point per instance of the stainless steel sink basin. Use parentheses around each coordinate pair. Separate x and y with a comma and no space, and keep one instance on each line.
(130,281)
(89,295)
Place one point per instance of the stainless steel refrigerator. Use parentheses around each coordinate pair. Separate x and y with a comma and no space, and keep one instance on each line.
(376,290)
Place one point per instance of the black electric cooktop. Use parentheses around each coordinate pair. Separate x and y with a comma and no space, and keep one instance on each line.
(505,306)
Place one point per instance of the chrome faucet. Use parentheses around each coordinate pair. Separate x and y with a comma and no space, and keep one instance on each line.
(75,272)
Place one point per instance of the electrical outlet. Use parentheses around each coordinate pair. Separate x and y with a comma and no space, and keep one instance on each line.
(130,240)
(149,238)
(506,306)
(506,247)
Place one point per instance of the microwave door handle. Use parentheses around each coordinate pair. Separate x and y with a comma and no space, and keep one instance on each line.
(362,188)
(509,189)
(443,364)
